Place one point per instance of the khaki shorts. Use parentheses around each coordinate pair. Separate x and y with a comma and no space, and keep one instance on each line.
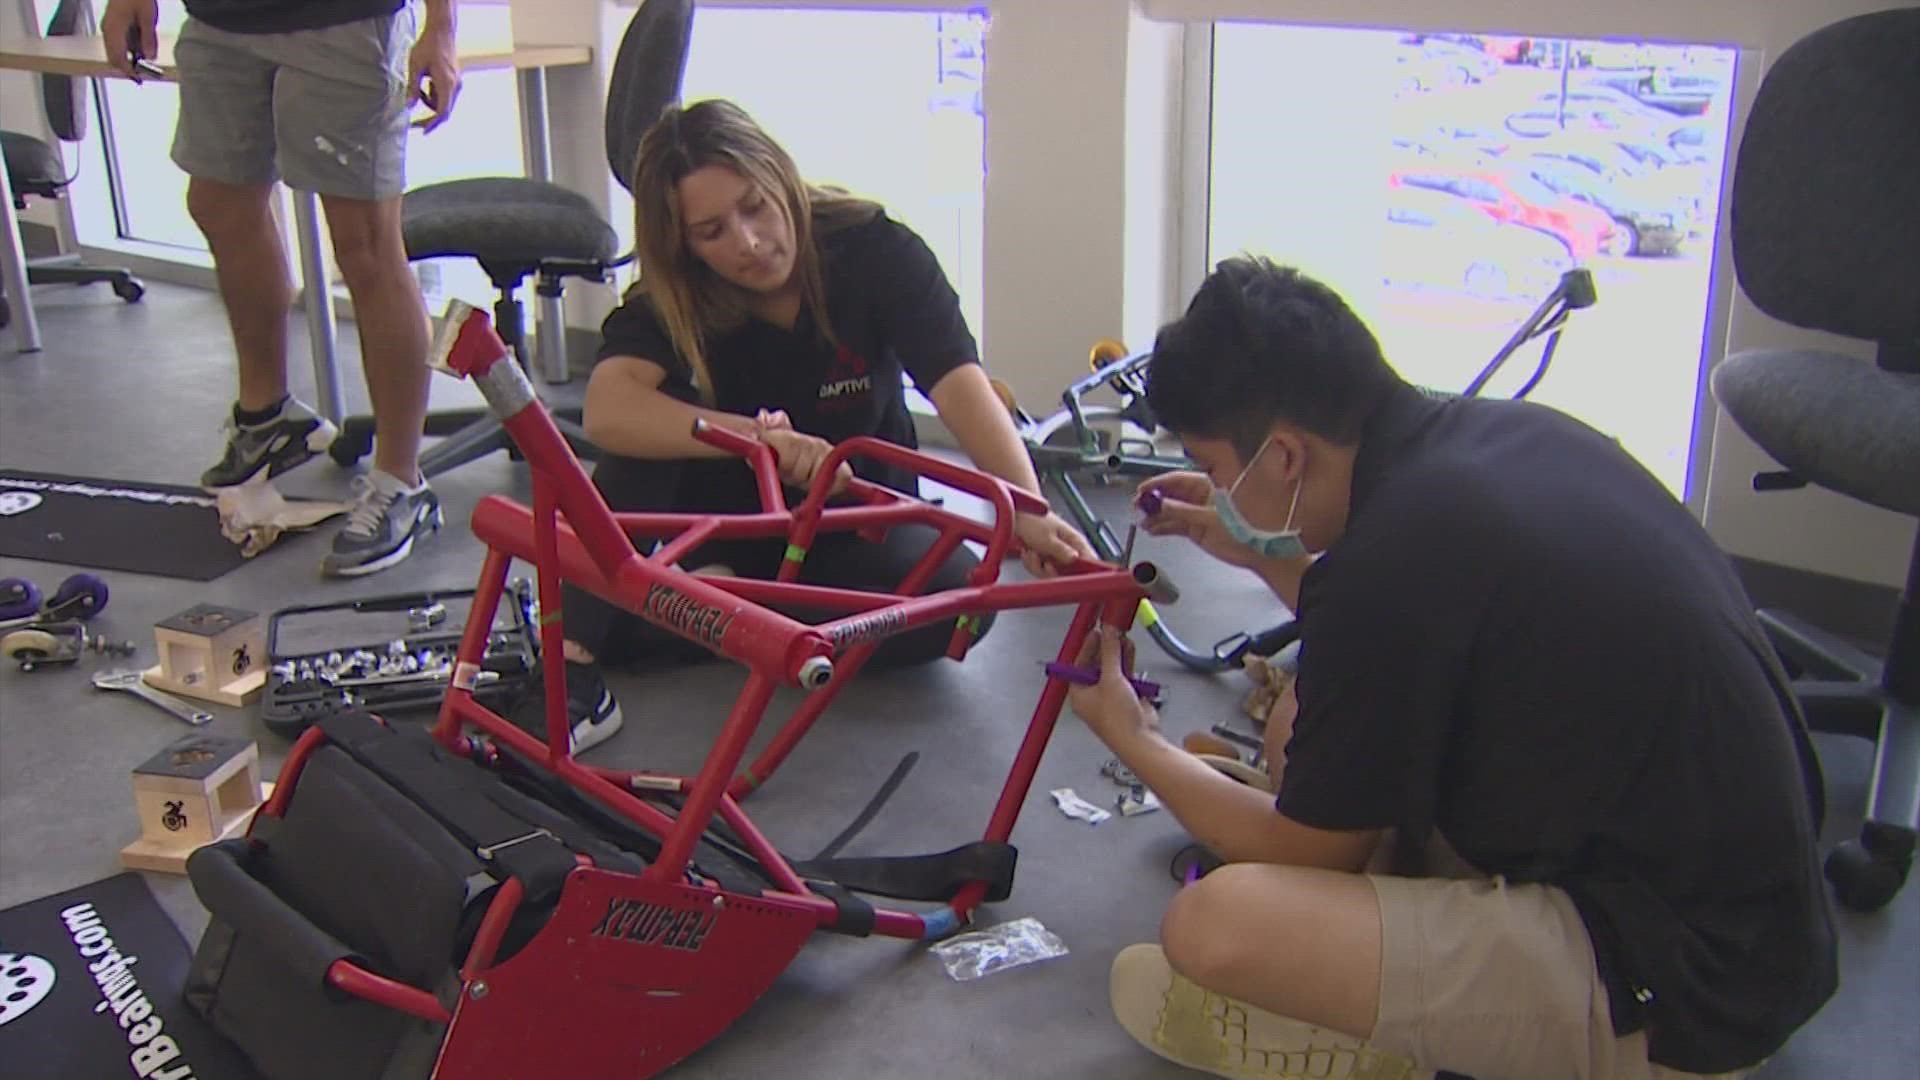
(1496,981)
(325,110)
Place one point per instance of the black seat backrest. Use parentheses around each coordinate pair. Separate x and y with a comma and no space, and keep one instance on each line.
(65,95)
(646,78)
(1825,235)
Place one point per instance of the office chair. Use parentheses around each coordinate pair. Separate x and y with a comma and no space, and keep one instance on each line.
(34,167)
(1825,237)
(516,228)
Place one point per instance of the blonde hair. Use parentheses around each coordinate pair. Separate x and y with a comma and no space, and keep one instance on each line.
(693,302)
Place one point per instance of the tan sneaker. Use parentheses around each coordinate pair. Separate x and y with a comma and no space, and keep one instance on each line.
(1171,1016)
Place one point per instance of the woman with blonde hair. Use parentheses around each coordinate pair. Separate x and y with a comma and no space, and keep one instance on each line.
(788,312)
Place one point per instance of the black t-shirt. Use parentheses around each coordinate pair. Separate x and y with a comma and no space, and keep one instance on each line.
(891,310)
(286,16)
(1524,642)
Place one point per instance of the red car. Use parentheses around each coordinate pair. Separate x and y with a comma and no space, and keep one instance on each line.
(1585,230)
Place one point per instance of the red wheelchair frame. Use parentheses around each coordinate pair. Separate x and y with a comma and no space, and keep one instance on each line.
(631,973)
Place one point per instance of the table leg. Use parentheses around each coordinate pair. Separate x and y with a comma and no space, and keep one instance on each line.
(318,293)
(550,316)
(13,262)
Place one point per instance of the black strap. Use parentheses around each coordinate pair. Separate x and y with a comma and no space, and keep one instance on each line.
(456,793)
(856,916)
(733,868)
(939,876)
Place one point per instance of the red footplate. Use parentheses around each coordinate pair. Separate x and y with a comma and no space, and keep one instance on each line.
(626,979)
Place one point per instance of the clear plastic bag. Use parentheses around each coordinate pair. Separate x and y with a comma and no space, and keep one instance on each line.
(981,953)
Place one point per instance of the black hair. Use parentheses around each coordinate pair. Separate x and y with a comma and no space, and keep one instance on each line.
(1262,343)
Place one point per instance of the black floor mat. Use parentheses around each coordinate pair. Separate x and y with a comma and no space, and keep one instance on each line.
(113,525)
(59,1021)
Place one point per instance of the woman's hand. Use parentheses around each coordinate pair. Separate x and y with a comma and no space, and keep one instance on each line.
(800,457)
(1111,708)
(1186,509)
(1047,542)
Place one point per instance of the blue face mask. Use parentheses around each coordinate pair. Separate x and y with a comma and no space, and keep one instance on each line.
(1281,543)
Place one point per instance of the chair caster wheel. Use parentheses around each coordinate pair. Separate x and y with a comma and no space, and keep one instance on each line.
(1863,879)
(348,447)
(129,289)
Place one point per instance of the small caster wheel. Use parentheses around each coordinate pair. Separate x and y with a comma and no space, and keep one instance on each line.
(1863,881)
(81,597)
(29,648)
(129,289)
(19,599)
(349,447)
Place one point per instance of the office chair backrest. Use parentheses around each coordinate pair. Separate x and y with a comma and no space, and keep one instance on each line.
(1825,229)
(646,78)
(64,95)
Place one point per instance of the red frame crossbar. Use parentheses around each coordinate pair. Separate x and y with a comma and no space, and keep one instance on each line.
(569,534)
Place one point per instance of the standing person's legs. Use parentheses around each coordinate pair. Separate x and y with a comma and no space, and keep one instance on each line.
(226,144)
(340,108)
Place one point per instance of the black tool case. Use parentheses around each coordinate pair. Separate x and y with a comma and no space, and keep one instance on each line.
(392,655)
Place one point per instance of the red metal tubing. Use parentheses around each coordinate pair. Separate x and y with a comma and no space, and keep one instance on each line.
(493,926)
(361,983)
(303,748)
(617,796)
(762,848)
(471,655)
(797,725)
(671,552)
(704,794)
(552,640)
(681,602)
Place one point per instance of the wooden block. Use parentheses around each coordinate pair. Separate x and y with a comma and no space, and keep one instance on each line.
(200,789)
(164,858)
(211,653)
(236,693)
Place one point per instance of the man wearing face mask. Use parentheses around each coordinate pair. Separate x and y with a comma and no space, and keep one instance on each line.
(1532,699)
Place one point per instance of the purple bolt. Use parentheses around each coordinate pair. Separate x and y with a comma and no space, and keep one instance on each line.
(1150,503)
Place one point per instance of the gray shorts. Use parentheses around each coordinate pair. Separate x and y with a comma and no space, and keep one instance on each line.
(325,110)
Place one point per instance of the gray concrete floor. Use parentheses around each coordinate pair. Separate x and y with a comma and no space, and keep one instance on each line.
(138,393)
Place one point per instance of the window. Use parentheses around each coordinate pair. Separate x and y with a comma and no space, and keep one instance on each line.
(1560,153)
(886,104)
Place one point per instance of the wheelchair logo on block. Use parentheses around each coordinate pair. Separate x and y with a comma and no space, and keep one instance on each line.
(25,981)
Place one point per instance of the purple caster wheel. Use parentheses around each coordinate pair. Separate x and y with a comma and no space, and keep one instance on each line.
(80,597)
(19,599)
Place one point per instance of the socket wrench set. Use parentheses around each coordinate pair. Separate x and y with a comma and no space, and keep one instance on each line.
(391,655)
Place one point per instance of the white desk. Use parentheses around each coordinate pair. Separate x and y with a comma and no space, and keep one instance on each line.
(84,57)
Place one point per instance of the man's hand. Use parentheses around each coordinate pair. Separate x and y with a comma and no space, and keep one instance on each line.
(1047,542)
(433,68)
(800,457)
(1186,509)
(1110,708)
(1279,730)
(130,25)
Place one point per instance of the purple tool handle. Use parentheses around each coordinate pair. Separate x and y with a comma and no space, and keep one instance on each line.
(1089,677)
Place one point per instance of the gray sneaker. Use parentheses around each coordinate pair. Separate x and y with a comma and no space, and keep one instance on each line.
(385,521)
(296,434)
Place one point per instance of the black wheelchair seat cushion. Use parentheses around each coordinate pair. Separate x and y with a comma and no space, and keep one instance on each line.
(1843,423)
(504,221)
(353,864)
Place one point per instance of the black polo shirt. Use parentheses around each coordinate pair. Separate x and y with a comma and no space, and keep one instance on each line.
(891,310)
(1523,641)
(286,16)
